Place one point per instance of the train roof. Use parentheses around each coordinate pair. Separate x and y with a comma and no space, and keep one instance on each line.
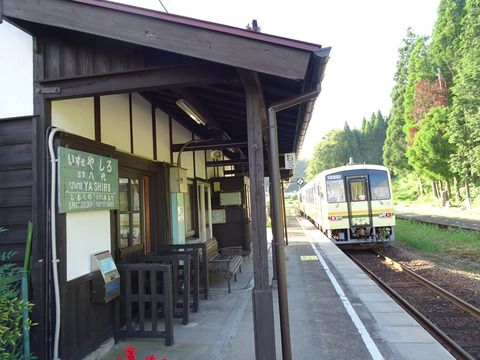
(341,169)
(351,167)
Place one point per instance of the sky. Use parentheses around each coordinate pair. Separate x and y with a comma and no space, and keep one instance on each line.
(364,36)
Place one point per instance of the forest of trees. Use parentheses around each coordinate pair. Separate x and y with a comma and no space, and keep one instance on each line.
(434,126)
(363,146)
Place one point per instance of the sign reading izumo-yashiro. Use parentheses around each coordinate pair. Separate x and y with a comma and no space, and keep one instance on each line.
(87,182)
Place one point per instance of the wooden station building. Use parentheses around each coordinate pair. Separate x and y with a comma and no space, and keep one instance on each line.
(115,79)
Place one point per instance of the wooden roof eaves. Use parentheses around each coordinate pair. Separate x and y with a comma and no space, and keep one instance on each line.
(313,81)
(219,47)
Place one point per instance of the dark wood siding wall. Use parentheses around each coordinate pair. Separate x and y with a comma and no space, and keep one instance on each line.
(16,182)
(70,56)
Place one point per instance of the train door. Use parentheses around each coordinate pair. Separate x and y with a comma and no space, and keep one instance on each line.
(359,206)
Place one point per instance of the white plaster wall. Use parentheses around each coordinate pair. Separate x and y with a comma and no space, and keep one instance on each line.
(200,164)
(163,136)
(16,72)
(75,116)
(115,121)
(182,135)
(142,127)
(87,233)
(210,170)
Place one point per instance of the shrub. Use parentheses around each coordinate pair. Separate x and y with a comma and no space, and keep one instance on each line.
(11,309)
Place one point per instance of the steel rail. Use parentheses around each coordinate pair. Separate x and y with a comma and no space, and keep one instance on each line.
(438,334)
(472,310)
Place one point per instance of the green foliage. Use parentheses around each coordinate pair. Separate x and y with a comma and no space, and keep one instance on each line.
(431,149)
(394,149)
(419,68)
(406,188)
(332,151)
(432,239)
(464,125)
(12,307)
(446,38)
(364,146)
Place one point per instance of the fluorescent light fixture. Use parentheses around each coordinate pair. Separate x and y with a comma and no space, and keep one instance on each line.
(191,111)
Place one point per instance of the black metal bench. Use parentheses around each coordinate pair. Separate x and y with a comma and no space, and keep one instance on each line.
(225,260)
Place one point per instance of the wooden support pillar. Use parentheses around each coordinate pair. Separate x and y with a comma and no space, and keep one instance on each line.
(262,300)
(40,267)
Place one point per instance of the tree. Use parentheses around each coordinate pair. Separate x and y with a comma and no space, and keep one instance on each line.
(328,153)
(338,146)
(464,125)
(419,69)
(394,149)
(446,39)
(431,149)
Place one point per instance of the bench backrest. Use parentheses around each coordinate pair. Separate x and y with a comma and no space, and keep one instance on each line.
(212,249)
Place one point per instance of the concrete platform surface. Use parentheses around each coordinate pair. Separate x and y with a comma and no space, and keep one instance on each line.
(336,312)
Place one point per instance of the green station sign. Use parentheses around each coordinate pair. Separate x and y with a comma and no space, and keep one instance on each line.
(87,182)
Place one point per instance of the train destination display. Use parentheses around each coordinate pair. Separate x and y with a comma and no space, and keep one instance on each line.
(87,182)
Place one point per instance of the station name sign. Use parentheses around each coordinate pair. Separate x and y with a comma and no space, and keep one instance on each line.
(87,182)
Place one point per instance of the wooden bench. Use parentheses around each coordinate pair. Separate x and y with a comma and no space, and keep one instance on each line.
(226,260)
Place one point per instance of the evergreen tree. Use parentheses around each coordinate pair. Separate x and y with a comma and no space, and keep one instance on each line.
(419,68)
(464,125)
(446,37)
(431,149)
(394,149)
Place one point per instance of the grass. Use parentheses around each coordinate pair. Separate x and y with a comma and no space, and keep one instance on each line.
(432,240)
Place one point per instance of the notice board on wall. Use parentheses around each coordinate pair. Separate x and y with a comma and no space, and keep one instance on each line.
(86,182)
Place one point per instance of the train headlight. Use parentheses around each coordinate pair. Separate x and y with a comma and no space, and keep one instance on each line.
(334,218)
(385,215)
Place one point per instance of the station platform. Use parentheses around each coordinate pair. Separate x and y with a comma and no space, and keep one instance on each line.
(336,312)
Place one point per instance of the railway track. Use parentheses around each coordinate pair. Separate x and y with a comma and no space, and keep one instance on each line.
(452,321)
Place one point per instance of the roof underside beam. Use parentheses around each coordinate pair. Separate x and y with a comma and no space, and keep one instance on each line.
(143,80)
(165,35)
(209,145)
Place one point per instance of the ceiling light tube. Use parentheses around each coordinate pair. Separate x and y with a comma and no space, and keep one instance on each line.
(191,111)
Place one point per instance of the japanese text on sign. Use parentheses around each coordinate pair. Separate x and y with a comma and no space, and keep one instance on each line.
(290,161)
(87,182)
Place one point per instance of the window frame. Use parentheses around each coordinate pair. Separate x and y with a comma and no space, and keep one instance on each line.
(144,182)
(341,181)
(372,174)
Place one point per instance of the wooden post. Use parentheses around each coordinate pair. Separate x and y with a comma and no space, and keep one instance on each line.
(262,301)
(40,262)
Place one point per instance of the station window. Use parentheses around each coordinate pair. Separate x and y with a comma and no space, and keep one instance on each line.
(131,212)
(379,185)
(335,190)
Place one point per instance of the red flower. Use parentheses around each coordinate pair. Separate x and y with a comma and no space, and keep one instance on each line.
(151,357)
(130,352)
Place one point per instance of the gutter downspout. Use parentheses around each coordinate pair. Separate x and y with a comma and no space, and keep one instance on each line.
(277,226)
(55,260)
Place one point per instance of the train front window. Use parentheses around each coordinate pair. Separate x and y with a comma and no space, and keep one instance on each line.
(379,185)
(358,189)
(335,190)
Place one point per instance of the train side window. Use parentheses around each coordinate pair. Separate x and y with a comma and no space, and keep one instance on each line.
(335,191)
(379,185)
